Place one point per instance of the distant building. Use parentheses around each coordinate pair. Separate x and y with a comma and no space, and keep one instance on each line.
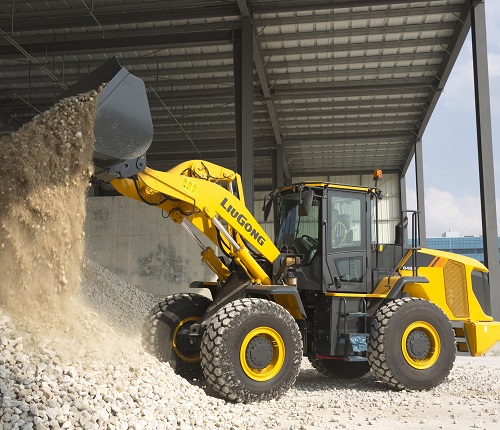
(470,246)
(451,233)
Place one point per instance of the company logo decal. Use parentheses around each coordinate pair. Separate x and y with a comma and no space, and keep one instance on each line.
(242,220)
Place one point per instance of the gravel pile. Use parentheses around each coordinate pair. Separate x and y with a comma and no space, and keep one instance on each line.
(112,384)
(116,301)
(92,375)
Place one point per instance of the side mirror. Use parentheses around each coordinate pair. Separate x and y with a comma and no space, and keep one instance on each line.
(401,231)
(267,209)
(306,203)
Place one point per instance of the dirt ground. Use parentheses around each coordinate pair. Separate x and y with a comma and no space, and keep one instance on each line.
(469,398)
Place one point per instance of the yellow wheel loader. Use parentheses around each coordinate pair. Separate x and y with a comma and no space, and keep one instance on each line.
(325,288)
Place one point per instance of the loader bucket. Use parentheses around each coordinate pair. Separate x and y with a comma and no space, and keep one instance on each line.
(123,127)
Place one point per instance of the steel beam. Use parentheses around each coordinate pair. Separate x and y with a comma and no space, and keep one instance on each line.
(264,84)
(225,130)
(419,176)
(363,32)
(400,85)
(243,99)
(333,138)
(130,42)
(88,65)
(299,6)
(161,156)
(362,47)
(438,42)
(278,159)
(485,154)
(72,17)
(343,89)
(147,13)
(369,14)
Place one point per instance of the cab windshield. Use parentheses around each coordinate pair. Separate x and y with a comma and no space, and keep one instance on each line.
(295,233)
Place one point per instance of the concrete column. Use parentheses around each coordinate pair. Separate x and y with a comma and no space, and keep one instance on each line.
(485,153)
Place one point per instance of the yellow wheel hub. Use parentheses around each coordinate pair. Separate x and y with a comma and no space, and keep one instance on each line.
(262,354)
(189,358)
(421,345)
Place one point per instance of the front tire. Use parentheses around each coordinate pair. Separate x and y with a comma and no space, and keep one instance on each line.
(412,344)
(251,351)
(165,328)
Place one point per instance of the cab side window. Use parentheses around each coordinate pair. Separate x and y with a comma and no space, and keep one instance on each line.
(345,221)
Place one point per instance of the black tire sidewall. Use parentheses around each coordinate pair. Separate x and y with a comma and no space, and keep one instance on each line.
(242,326)
(222,342)
(185,306)
(409,376)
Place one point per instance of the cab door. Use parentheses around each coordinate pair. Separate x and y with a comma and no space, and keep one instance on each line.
(346,233)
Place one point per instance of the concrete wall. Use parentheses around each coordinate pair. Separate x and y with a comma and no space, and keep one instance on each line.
(136,243)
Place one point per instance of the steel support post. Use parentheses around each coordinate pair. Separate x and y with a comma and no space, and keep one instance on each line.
(485,153)
(419,173)
(278,170)
(278,178)
(403,204)
(243,98)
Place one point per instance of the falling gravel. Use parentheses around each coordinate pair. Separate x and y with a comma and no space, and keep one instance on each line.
(45,169)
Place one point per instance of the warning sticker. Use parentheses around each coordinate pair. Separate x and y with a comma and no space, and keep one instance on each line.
(190,186)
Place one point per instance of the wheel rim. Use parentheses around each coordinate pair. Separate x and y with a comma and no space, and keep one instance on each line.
(182,349)
(262,354)
(421,345)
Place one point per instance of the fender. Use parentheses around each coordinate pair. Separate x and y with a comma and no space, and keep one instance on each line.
(286,296)
(401,282)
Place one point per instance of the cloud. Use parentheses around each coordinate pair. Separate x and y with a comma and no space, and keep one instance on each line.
(494,65)
(444,211)
(458,94)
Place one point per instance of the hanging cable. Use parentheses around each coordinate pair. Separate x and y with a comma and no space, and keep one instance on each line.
(33,59)
(91,12)
(175,119)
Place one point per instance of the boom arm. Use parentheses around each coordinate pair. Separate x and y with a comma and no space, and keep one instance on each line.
(202,192)
(123,132)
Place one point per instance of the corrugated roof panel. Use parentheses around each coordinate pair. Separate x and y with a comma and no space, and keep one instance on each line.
(349,86)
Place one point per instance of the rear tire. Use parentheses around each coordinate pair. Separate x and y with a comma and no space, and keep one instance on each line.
(412,344)
(163,329)
(340,369)
(251,351)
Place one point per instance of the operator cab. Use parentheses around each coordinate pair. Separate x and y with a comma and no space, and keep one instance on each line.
(335,234)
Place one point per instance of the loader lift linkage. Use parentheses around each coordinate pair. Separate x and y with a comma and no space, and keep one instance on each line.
(326,288)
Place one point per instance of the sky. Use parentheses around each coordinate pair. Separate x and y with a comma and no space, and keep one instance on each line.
(451,172)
